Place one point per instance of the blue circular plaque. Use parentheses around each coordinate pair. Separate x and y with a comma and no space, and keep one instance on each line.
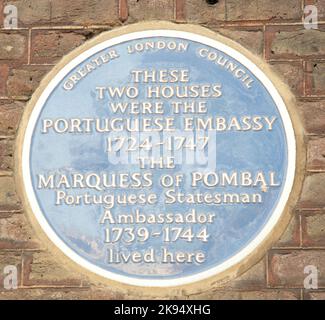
(158,157)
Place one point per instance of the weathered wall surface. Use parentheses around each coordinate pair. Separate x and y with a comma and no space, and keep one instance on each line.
(274,30)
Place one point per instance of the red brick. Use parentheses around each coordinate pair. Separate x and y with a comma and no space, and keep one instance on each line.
(308,70)
(15,233)
(312,196)
(8,197)
(6,154)
(248,295)
(151,10)
(316,154)
(313,229)
(286,268)
(10,113)
(123,10)
(82,293)
(292,74)
(180,10)
(1,15)
(314,295)
(58,12)
(320,4)
(286,42)
(199,11)
(4,72)
(263,10)
(251,39)
(13,46)
(291,236)
(23,81)
(252,279)
(50,46)
(41,269)
(43,294)
(84,12)
(32,12)
(313,116)
(318,78)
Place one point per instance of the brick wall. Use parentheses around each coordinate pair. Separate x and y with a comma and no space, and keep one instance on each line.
(48,29)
